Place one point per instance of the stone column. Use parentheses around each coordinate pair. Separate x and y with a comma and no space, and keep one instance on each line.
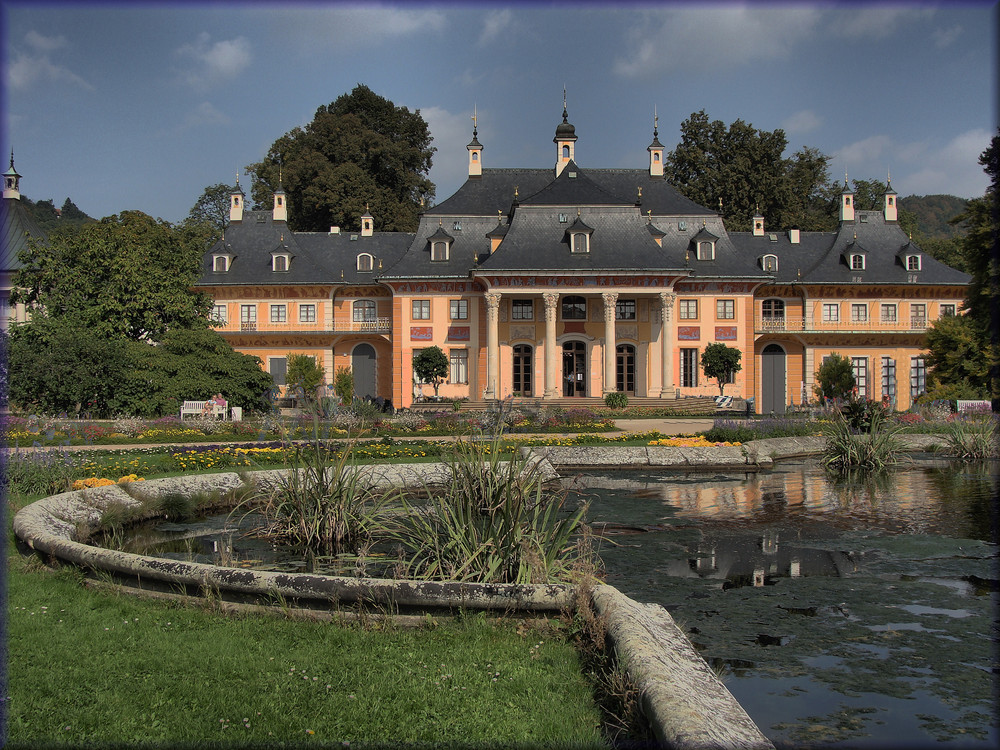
(610,342)
(492,344)
(667,344)
(553,378)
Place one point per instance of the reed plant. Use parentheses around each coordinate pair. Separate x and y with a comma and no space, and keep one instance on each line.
(323,503)
(873,444)
(974,436)
(492,520)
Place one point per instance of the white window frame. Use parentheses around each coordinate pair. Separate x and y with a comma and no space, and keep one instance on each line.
(625,309)
(216,260)
(725,309)
(248,317)
(948,309)
(458,366)
(580,242)
(364,310)
(366,262)
(420,309)
(279,313)
(770,263)
(857,262)
(859,366)
(689,368)
(440,251)
(280,259)
(459,309)
(220,313)
(889,313)
(705,250)
(307,312)
(912,262)
(918,376)
(831,312)
(859,312)
(687,309)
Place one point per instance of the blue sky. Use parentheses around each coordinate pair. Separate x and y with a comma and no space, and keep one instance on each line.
(142,106)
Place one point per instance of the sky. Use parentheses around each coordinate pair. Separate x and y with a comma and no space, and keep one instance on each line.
(142,106)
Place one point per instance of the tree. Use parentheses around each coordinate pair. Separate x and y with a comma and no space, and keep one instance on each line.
(431,366)
(304,375)
(212,208)
(957,361)
(359,153)
(835,377)
(744,168)
(70,212)
(721,362)
(126,276)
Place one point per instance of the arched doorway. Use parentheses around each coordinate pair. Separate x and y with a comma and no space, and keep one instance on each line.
(521,381)
(363,367)
(625,368)
(772,380)
(574,369)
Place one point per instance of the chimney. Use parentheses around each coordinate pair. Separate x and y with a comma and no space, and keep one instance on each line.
(334,230)
(793,235)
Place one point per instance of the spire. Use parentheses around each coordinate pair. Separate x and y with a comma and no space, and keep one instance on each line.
(565,140)
(12,181)
(655,149)
(475,147)
(889,206)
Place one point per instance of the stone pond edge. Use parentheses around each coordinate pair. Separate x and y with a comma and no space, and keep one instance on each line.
(687,705)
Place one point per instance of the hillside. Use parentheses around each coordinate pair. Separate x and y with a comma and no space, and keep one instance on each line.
(48,217)
(933,213)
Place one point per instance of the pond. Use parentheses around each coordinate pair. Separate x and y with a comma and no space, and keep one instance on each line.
(839,614)
(852,614)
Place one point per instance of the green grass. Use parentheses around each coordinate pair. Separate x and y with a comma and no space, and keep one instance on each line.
(93,667)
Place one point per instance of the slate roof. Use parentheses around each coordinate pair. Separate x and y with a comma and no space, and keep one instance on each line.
(821,257)
(16,225)
(316,257)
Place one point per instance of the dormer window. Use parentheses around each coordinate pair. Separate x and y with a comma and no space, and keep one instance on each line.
(221,263)
(439,251)
(857,262)
(706,250)
(769,263)
(279,262)
(365,262)
(912,262)
(440,243)
(581,242)
(579,236)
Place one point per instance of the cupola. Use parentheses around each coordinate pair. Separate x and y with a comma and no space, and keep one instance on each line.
(890,201)
(655,150)
(367,223)
(565,141)
(12,181)
(758,224)
(846,202)
(475,150)
(236,200)
(280,206)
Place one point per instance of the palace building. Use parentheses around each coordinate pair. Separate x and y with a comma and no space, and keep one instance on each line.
(567,282)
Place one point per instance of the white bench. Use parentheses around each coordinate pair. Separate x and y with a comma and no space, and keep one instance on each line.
(197,408)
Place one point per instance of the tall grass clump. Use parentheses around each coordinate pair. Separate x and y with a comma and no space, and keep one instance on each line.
(492,520)
(328,507)
(38,473)
(974,436)
(861,437)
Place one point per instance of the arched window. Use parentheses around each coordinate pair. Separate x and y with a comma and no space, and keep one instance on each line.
(770,263)
(439,250)
(706,251)
(565,152)
(365,262)
(581,242)
(574,308)
(364,310)
(912,262)
(857,263)
(279,263)
(220,264)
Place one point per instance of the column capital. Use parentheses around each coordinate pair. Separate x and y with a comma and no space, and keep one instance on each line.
(493,299)
(551,299)
(667,299)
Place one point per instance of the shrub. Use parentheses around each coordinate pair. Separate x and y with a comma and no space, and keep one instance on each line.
(616,400)
(973,436)
(874,448)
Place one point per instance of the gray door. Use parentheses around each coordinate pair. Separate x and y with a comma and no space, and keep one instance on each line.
(772,387)
(363,365)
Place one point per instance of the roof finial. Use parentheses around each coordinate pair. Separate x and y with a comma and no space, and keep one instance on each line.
(888,178)
(565,114)
(656,122)
(475,120)
(11,157)
(237,178)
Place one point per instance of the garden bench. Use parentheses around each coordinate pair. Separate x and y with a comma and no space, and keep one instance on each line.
(197,408)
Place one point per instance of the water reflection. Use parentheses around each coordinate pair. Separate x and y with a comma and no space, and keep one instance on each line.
(850,613)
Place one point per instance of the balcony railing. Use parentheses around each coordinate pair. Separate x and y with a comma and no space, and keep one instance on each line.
(798,324)
(340,325)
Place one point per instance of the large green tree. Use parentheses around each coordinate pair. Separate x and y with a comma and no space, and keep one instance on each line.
(721,362)
(212,207)
(359,153)
(431,366)
(745,169)
(126,276)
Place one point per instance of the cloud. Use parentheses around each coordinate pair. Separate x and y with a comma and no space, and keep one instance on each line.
(803,121)
(451,164)
(920,168)
(24,71)
(714,37)
(945,37)
(204,114)
(859,20)
(496,22)
(44,44)
(347,27)
(210,64)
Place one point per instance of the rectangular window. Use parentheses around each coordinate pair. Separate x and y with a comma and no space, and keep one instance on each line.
(689,368)
(307,313)
(688,309)
(522,309)
(888,313)
(421,309)
(458,366)
(918,315)
(625,309)
(248,317)
(831,313)
(219,313)
(277,366)
(278,313)
(460,309)
(859,313)
(947,311)
(859,365)
(889,380)
(918,376)
(725,309)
